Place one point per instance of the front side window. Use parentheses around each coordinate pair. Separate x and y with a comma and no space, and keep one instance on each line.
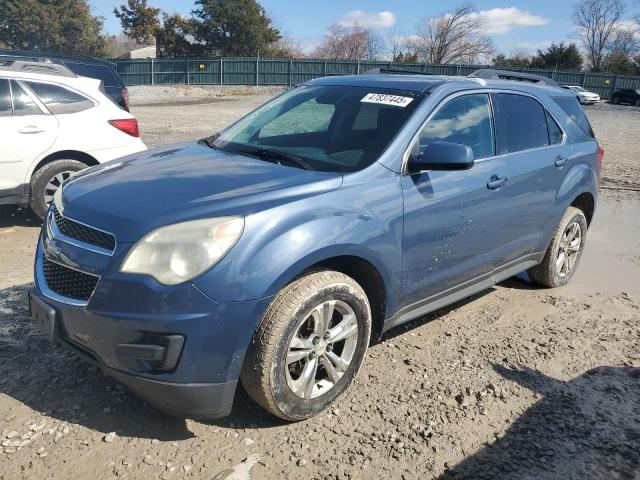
(465,120)
(335,128)
(22,102)
(5,99)
(521,123)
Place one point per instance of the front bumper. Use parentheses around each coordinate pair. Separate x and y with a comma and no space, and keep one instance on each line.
(133,310)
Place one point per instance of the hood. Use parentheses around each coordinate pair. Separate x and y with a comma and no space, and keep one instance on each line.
(131,196)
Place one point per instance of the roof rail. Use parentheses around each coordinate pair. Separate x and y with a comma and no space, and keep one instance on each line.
(43,67)
(395,71)
(492,74)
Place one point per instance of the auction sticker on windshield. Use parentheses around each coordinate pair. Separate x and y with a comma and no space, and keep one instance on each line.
(395,100)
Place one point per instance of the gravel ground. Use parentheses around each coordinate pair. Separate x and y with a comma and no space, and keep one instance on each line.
(516,383)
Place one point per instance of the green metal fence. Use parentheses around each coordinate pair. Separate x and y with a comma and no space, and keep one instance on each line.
(275,71)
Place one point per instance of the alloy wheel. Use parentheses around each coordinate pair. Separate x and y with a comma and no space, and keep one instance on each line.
(54,184)
(322,348)
(569,249)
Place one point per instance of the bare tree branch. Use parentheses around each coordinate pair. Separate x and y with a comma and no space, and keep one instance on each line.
(350,43)
(597,23)
(453,37)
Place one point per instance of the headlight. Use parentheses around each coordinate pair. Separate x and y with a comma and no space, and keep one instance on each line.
(179,252)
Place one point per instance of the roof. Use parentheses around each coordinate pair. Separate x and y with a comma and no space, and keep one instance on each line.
(414,83)
(31,54)
(424,83)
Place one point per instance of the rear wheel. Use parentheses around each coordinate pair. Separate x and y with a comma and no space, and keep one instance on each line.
(563,255)
(46,181)
(638,103)
(309,346)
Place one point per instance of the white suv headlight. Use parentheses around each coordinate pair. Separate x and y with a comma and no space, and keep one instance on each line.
(179,252)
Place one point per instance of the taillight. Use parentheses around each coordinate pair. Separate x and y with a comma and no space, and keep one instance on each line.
(127,125)
(125,99)
(600,155)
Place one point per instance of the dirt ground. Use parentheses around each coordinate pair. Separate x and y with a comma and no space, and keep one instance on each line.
(515,383)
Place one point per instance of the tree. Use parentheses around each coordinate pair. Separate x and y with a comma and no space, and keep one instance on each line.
(518,59)
(349,43)
(620,63)
(597,21)
(139,21)
(174,37)
(558,57)
(57,26)
(453,37)
(286,47)
(236,28)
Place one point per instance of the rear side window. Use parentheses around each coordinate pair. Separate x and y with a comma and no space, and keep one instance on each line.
(521,123)
(22,103)
(59,100)
(5,99)
(572,107)
(100,72)
(465,120)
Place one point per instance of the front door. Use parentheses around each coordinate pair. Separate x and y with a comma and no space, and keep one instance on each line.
(453,219)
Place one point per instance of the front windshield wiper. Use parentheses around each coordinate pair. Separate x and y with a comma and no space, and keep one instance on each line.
(276,155)
(210,142)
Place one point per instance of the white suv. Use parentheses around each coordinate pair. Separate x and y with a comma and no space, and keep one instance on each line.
(53,124)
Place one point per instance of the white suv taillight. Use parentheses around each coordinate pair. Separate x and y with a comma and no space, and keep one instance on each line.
(127,125)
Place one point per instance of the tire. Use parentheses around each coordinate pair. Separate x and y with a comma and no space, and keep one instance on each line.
(616,100)
(554,272)
(638,103)
(278,385)
(51,172)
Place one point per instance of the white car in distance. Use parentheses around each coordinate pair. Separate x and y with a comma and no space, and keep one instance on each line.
(54,124)
(584,97)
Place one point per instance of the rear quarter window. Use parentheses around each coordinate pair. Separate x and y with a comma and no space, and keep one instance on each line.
(572,107)
(59,100)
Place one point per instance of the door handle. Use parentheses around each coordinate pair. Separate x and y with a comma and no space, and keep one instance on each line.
(560,161)
(496,182)
(31,129)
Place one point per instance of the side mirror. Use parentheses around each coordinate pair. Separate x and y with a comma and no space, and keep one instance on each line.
(442,156)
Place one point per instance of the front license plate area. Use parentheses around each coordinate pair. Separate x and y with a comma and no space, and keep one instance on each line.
(44,317)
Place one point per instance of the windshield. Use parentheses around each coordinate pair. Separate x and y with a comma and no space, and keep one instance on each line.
(327,128)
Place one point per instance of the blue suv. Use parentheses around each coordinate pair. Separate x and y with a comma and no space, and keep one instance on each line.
(275,251)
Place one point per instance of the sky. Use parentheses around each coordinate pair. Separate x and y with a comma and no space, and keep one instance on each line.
(512,24)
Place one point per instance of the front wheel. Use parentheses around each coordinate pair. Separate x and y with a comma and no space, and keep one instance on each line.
(638,103)
(563,255)
(616,100)
(309,345)
(46,181)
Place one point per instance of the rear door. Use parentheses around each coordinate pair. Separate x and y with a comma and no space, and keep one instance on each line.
(28,131)
(535,155)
